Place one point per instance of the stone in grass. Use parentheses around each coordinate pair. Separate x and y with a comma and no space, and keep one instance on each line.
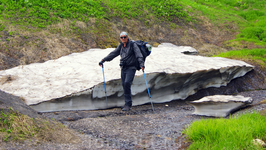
(219,105)
(259,142)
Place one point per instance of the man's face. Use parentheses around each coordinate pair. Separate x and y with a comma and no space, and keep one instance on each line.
(123,38)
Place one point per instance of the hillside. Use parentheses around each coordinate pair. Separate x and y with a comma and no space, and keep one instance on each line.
(40,30)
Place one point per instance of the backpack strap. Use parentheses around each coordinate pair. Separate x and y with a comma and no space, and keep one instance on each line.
(120,47)
(131,45)
(137,62)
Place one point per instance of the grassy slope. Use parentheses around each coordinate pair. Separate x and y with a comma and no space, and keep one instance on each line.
(252,31)
(39,30)
(248,15)
(249,20)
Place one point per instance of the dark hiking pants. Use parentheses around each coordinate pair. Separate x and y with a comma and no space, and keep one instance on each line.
(127,76)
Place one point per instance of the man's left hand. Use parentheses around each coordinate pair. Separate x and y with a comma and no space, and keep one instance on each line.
(142,68)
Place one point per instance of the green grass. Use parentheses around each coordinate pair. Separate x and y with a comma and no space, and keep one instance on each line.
(234,133)
(257,56)
(168,10)
(41,13)
(248,15)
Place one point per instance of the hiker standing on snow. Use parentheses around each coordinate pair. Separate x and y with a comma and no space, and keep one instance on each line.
(130,54)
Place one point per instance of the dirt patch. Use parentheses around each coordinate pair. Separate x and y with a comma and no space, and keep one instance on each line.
(20,47)
(139,128)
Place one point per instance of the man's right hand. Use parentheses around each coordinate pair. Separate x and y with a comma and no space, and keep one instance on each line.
(101,63)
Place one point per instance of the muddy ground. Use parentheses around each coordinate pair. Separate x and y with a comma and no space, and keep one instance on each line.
(139,128)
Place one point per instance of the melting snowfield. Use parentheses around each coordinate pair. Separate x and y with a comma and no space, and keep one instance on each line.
(75,82)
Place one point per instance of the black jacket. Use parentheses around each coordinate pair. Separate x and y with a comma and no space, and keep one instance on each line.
(129,55)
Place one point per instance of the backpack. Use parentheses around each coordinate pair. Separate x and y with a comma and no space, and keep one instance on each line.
(145,49)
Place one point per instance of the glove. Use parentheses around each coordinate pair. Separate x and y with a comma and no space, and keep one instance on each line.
(142,68)
(101,63)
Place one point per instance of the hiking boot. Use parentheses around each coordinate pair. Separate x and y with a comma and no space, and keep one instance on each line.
(126,108)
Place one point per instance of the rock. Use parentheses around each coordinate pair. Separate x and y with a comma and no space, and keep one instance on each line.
(259,142)
(75,82)
(219,105)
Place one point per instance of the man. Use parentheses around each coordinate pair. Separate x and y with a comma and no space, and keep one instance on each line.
(130,54)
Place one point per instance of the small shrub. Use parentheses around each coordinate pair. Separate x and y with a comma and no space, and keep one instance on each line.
(256,33)
(261,22)
(251,14)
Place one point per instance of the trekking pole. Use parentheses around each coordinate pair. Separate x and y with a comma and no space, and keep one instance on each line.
(148,90)
(104,86)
